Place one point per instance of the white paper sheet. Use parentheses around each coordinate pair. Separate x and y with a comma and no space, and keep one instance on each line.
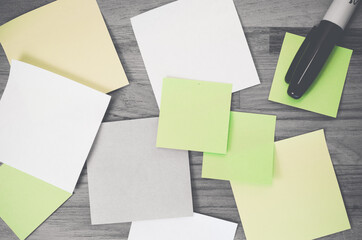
(197,227)
(48,124)
(200,40)
(130,179)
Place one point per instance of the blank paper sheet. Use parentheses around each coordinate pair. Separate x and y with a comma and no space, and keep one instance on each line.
(48,124)
(197,227)
(201,40)
(130,179)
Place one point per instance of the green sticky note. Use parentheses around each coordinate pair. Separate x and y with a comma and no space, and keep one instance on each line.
(304,200)
(325,93)
(25,201)
(194,115)
(250,152)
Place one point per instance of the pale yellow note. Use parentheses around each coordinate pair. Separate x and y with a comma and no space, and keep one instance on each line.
(67,37)
(304,201)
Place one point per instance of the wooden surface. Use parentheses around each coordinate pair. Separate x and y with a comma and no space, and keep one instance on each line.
(265,23)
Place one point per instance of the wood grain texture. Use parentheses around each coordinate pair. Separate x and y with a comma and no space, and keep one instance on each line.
(265,23)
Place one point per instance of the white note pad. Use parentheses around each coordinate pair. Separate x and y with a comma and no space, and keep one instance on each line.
(48,124)
(199,39)
(197,227)
(130,179)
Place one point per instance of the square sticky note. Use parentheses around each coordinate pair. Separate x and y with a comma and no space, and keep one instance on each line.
(250,151)
(130,179)
(68,38)
(48,124)
(25,201)
(194,115)
(197,227)
(201,40)
(325,93)
(304,200)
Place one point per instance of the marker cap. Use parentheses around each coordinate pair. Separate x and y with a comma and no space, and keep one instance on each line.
(341,11)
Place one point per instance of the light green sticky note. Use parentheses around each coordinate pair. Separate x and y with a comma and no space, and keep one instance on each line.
(325,93)
(25,201)
(194,115)
(304,200)
(250,152)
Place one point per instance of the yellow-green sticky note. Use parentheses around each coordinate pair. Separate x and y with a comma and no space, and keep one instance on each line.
(304,200)
(194,115)
(68,38)
(250,153)
(324,95)
(25,201)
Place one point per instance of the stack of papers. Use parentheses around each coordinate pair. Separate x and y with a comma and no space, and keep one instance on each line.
(48,121)
(196,55)
(48,124)
(195,115)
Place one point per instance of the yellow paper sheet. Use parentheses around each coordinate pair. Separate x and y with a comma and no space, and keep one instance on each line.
(67,37)
(304,201)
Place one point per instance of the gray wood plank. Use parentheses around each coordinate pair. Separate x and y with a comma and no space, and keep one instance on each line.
(291,13)
(351,39)
(265,22)
(253,13)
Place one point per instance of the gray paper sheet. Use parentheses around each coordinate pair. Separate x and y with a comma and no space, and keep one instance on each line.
(130,179)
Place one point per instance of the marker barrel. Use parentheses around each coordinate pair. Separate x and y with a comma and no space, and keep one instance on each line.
(341,11)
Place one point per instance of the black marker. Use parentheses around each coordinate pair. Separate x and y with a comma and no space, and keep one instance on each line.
(317,47)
